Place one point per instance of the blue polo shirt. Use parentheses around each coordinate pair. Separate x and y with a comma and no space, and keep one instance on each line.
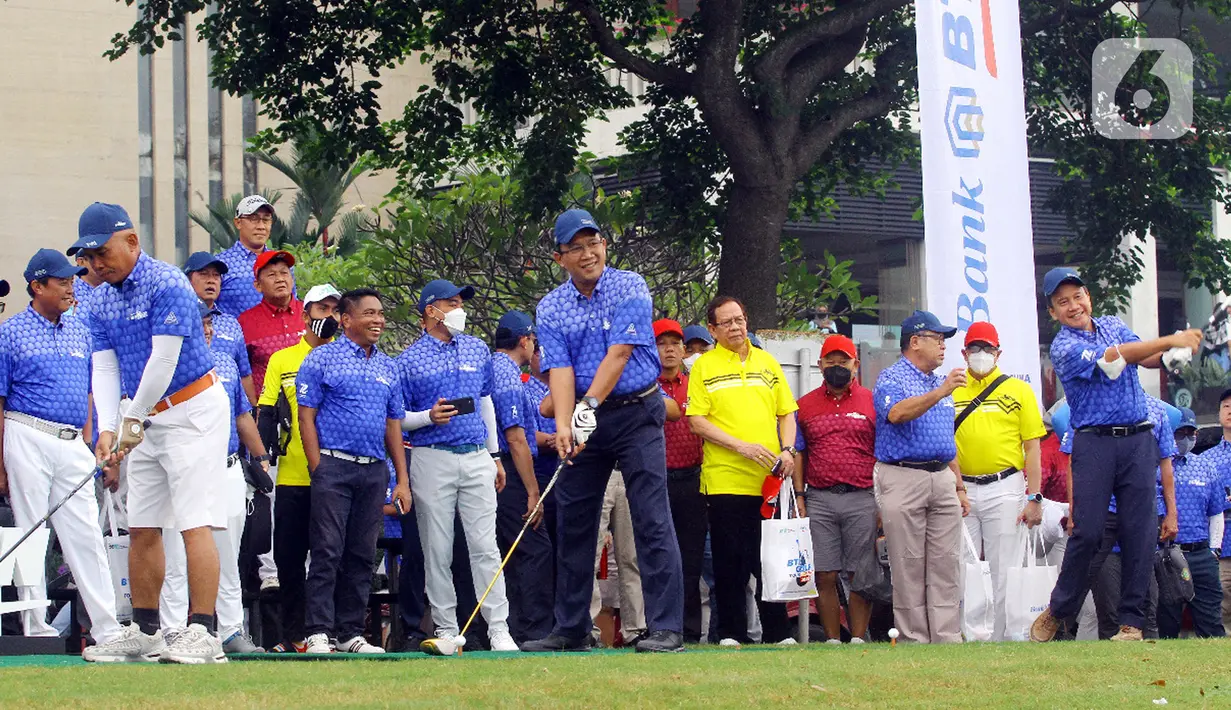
(392,523)
(928,438)
(1094,399)
(44,367)
(537,390)
(1198,495)
(228,374)
(575,331)
(82,292)
(432,369)
(229,339)
(354,395)
(1219,457)
(238,293)
(513,404)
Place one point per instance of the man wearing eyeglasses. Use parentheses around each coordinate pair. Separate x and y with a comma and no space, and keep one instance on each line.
(254,221)
(597,337)
(998,428)
(922,497)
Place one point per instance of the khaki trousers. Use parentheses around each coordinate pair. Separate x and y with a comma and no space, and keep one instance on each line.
(922,518)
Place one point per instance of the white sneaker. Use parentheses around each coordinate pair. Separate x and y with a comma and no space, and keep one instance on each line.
(789,641)
(318,643)
(359,645)
(729,643)
(502,641)
(131,646)
(834,642)
(168,635)
(857,640)
(194,646)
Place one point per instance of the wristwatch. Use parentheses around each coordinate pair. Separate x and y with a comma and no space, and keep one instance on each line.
(1034,497)
(262,458)
(591,402)
(792,450)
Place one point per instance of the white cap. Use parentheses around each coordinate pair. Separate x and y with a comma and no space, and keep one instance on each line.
(319,293)
(251,204)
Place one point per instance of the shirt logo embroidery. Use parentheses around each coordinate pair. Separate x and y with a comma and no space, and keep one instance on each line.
(468,368)
(514,410)
(1088,355)
(303,390)
(631,330)
(382,379)
(606,324)
(77,353)
(138,315)
(170,319)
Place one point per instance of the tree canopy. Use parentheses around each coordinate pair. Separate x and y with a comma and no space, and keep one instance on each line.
(757,110)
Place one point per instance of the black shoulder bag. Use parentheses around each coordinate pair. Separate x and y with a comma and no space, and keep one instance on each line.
(974,403)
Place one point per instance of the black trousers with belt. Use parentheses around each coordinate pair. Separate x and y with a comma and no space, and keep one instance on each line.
(735,541)
(691,525)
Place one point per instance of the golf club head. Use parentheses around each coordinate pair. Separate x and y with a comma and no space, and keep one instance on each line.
(438,647)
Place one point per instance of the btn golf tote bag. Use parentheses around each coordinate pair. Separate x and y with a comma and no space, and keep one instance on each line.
(787,573)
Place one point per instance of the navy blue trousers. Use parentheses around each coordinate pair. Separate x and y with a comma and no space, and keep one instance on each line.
(1103,465)
(632,436)
(1206,606)
(528,575)
(347,502)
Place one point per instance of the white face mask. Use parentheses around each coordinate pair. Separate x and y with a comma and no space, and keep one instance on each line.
(455,321)
(981,363)
(691,360)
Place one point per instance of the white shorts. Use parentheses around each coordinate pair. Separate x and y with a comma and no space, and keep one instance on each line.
(177,472)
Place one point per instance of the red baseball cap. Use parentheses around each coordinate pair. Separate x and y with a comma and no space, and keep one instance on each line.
(666,325)
(840,344)
(270,256)
(982,332)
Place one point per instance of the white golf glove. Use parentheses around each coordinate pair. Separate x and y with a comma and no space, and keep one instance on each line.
(584,422)
(1175,358)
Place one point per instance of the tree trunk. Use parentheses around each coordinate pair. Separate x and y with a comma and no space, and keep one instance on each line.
(750,266)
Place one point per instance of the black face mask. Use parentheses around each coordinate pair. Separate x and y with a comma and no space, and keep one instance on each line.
(324,328)
(837,376)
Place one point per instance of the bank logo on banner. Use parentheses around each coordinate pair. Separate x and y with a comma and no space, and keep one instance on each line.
(979,250)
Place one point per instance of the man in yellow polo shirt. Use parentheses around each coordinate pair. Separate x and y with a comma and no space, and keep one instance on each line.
(740,405)
(997,439)
(293,507)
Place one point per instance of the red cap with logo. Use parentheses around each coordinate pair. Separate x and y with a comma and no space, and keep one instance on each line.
(982,332)
(839,344)
(666,325)
(269,256)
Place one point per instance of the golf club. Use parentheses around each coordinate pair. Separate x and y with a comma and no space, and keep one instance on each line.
(98,471)
(445,647)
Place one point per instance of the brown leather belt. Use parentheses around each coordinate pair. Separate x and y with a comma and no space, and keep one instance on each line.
(187,392)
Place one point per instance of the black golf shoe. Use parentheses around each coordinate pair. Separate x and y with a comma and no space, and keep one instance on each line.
(661,642)
(555,643)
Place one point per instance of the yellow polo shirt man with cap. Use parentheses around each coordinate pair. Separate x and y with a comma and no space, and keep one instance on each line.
(996,442)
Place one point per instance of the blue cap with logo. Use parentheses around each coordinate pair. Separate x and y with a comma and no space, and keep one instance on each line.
(96,225)
(1061,274)
(1187,418)
(441,289)
(51,264)
(752,338)
(697,332)
(514,324)
(206,310)
(921,321)
(570,223)
(201,259)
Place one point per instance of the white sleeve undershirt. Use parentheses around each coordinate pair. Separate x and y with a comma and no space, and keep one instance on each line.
(105,383)
(487,410)
(416,420)
(1217,525)
(156,378)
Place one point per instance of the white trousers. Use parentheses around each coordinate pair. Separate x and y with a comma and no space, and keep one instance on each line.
(992,523)
(617,517)
(42,469)
(229,608)
(445,484)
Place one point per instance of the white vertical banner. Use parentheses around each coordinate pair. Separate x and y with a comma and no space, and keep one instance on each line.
(976,188)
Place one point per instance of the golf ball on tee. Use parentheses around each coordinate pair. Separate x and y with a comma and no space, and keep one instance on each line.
(893,633)
(461,640)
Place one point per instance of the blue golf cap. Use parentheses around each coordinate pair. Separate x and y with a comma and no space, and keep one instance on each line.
(514,324)
(921,321)
(697,332)
(441,289)
(570,223)
(201,259)
(51,264)
(207,311)
(1187,418)
(1052,279)
(96,225)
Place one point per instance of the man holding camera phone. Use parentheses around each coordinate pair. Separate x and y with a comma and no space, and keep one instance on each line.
(454,466)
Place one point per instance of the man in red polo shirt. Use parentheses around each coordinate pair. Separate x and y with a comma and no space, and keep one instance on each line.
(837,433)
(277,321)
(683,473)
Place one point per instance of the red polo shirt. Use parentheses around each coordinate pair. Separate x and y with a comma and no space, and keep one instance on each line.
(267,330)
(683,446)
(1055,465)
(839,435)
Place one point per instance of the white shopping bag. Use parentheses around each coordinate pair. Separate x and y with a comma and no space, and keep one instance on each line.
(1027,590)
(978,604)
(787,573)
(117,558)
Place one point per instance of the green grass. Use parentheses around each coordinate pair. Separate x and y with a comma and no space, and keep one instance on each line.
(1022,676)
